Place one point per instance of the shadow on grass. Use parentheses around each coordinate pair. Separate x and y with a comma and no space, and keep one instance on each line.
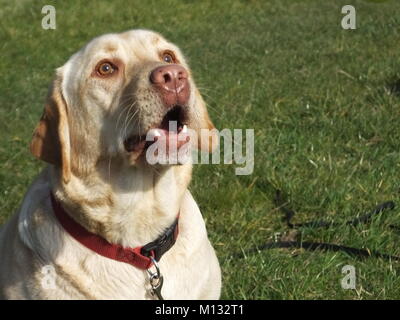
(393,86)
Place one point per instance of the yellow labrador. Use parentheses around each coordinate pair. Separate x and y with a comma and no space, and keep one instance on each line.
(99,200)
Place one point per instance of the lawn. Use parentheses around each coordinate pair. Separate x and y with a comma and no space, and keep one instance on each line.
(324,103)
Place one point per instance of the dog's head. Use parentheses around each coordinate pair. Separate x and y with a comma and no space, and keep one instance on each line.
(110,95)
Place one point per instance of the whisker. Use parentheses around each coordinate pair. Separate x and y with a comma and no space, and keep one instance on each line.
(129,123)
(140,133)
(126,122)
(123,109)
(109,168)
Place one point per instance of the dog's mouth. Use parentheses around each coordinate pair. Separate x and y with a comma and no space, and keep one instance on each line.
(172,129)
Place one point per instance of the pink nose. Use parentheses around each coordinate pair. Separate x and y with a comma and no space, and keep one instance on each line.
(172,83)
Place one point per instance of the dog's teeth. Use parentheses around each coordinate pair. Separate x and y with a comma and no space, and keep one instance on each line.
(184,129)
(157,133)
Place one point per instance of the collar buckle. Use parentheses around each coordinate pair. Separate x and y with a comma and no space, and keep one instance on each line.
(158,247)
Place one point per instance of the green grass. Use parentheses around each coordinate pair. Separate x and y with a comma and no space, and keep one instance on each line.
(323,101)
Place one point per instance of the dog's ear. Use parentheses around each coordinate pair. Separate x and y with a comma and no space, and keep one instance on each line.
(51,140)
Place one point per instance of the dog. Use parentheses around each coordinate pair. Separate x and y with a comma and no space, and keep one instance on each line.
(84,222)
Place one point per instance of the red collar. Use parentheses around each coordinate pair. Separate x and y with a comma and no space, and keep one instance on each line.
(139,257)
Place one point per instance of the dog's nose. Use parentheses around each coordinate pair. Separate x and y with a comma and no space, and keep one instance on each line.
(172,83)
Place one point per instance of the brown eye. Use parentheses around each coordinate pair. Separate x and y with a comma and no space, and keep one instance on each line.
(105,69)
(168,57)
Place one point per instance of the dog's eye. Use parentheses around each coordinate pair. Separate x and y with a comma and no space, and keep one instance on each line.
(106,68)
(168,57)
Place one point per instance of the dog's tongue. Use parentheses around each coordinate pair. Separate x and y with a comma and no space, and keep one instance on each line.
(172,139)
